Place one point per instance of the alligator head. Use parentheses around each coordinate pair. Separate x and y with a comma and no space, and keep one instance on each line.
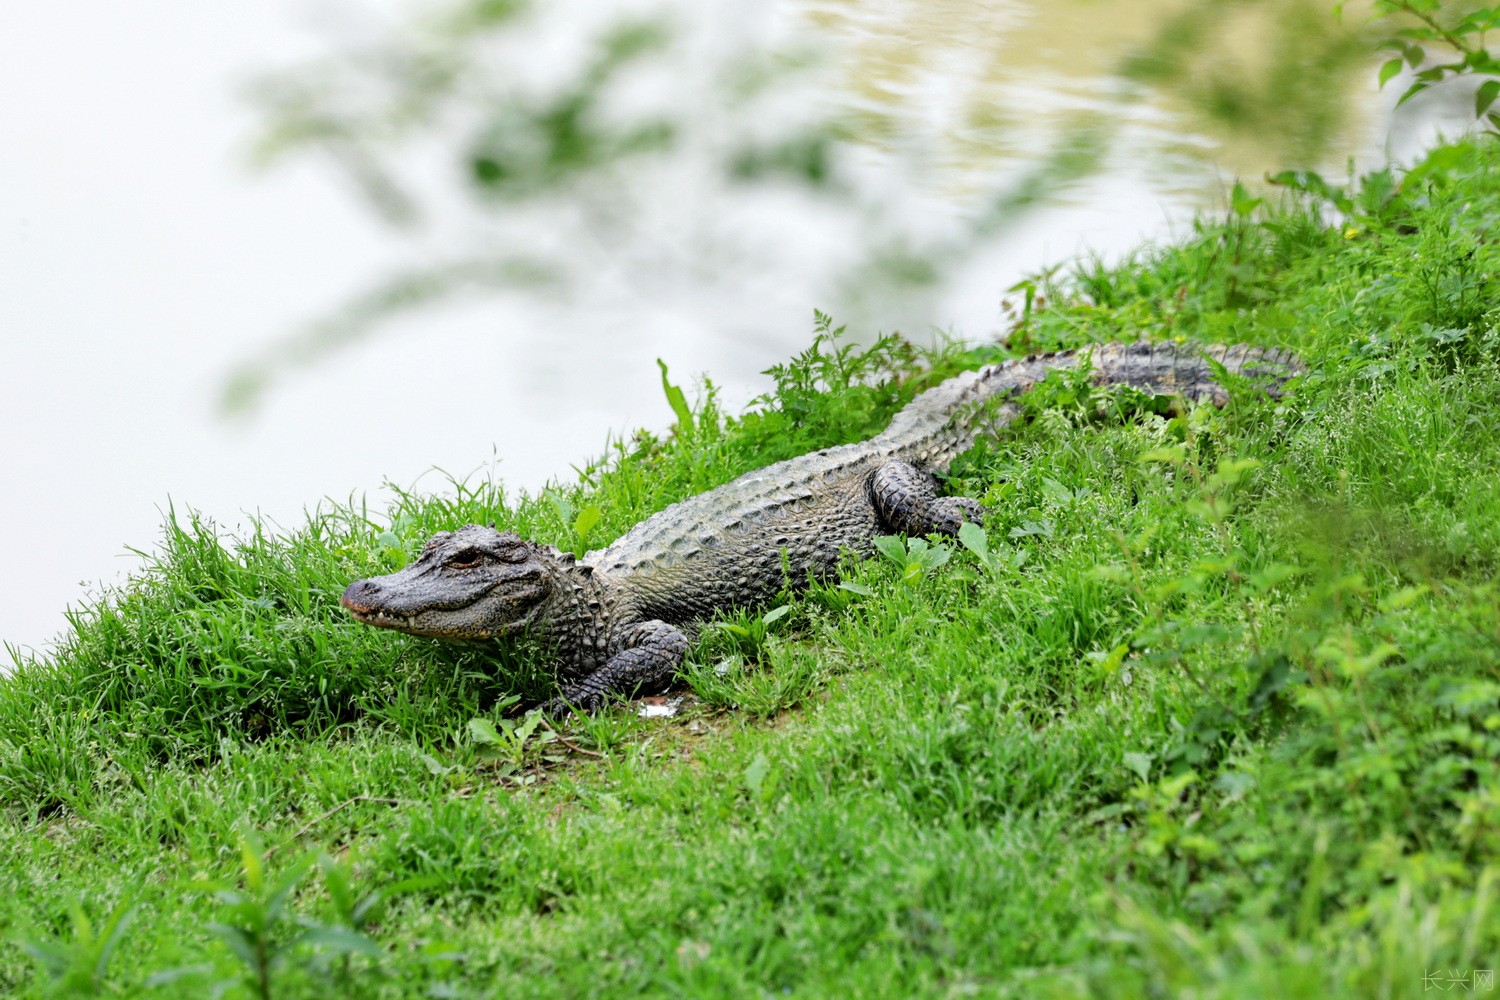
(473,583)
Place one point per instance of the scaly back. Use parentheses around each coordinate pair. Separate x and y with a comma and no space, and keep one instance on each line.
(929,432)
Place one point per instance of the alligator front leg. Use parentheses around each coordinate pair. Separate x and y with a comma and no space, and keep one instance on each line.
(649,656)
(907,503)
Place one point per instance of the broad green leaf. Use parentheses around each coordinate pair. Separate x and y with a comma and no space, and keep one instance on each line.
(731,627)
(250,857)
(755,774)
(587,518)
(1140,763)
(1412,91)
(435,766)
(1485,96)
(1241,201)
(483,731)
(523,732)
(891,547)
(972,537)
(1110,662)
(1056,491)
(1172,788)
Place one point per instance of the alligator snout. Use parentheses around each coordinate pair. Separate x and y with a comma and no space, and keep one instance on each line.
(361,596)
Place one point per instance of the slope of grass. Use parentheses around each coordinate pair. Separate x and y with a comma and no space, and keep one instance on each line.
(1211,708)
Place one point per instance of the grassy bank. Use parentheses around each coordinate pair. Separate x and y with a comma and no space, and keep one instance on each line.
(1214,710)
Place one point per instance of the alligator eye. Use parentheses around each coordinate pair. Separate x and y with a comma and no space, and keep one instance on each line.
(465,558)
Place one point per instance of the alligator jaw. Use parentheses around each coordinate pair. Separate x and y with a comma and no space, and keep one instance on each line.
(363,598)
(372,616)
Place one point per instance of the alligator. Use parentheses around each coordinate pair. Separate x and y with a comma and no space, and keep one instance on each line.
(620,620)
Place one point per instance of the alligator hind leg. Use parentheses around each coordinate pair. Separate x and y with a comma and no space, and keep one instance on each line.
(652,651)
(907,503)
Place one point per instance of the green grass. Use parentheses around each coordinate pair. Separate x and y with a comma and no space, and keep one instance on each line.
(1212,709)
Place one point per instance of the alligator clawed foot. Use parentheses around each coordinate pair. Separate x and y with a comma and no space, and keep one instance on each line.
(556,708)
(951,513)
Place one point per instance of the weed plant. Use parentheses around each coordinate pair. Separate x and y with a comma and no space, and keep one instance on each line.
(1210,707)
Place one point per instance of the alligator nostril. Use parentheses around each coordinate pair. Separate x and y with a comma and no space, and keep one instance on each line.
(358,594)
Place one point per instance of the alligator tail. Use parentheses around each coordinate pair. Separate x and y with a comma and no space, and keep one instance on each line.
(938,422)
(1190,370)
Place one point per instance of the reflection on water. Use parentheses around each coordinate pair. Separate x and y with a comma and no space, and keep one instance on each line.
(725,171)
(1196,89)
